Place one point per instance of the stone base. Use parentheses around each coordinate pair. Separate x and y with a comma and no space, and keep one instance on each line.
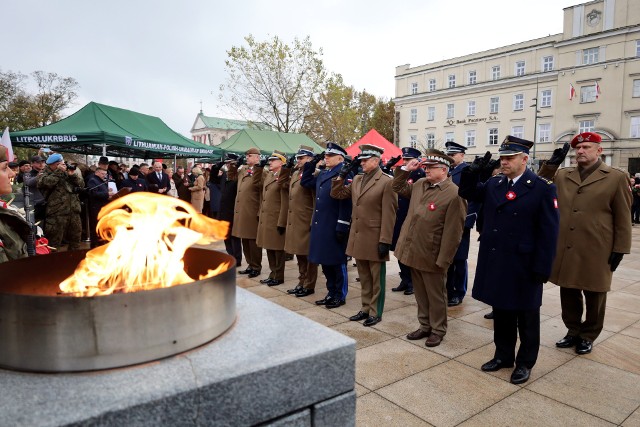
(272,367)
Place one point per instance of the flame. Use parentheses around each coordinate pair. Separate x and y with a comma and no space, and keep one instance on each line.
(148,235)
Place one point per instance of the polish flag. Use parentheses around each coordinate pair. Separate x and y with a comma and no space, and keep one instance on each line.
(6,141)
(597,90)
(572,92)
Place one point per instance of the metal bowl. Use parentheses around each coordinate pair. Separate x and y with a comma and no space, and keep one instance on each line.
(42,331)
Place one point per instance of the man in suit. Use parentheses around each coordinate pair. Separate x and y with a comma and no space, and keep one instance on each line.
(595,233)
(519,234)
(182,184)
(329,225)
(373,215)
(457,275)
(273,216)
(245,213)
(158,181)
(406,284)
(429,238)
(299,213)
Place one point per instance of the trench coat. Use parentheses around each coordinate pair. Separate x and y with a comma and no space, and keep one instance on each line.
(247,204)
(470,220)
(299,213)
(518,239)
(403,206)
(373,213)
(329,217)
(595,220)
(197,193)
(273,210)
(431,233)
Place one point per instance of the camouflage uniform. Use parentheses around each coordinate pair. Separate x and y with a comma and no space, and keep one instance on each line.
(63,207)
(13,230)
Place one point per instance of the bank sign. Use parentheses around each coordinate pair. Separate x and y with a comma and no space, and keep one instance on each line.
(452,122)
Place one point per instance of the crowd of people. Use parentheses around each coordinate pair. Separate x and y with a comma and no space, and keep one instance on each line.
(570,226)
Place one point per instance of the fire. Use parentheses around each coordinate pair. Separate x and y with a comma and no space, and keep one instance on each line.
(148,235)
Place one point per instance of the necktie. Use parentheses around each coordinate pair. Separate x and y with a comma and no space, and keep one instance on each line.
(159,176)
(510,184)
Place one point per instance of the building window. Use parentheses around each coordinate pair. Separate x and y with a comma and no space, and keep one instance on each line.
(586,126)
(495,72)
(547,63)
(470,138)
(452,80)
(471,108)
(637,47)
(431,113)
(431,140)
(544,132)
(414,115)
(414,88)
(517,131)
(519,68)
(590,56)
(587,94)
(634,132)
(450,111)
(472,77)
(448,136)
(545,98)
(493,136)
(413,141)
(432,85)
(518,102)
(494,105)
(636,88)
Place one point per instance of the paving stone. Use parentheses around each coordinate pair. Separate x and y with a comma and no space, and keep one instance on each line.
(375,411)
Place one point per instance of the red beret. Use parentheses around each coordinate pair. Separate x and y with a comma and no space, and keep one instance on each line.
(585,137)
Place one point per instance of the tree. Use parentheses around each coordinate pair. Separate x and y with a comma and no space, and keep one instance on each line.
(383,117)
(273,82)
(55,93)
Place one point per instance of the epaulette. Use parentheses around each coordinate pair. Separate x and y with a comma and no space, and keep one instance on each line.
(545,180)
(387,174)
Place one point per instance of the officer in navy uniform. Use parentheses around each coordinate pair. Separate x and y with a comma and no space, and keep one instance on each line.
(457,276)
(517,248)
(406,284)
(329,225)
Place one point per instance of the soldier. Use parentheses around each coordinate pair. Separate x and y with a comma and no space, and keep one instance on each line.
(329,225)
(99,195)
(60,189)
(519,233)
(228,192)
(31,181)
(300,211)
(372,219)
(245,214)
(429,238)
(595,232)
(406,284)
(273,216)
(457,276)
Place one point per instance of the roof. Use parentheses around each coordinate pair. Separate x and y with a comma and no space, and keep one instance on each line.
(123,132)
(374,138)
(228,124)
(267,141)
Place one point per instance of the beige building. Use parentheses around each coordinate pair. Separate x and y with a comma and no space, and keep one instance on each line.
(586,78)
(215,130)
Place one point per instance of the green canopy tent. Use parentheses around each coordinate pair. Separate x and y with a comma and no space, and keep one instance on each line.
(120,132)
(266,141)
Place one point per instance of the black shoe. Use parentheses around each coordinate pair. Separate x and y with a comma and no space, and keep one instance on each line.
(454,301)
(566,342)
(274,282)
(495,364)
(265,281)
(305,292)
(520,375)
(288,258)
(248,270)
(334,303)
(360,316)
(408,291)
(401,287)
(372,320)
(584,346)
(489,315)
(357,279)
(324,300)
(295,290)
(254,273)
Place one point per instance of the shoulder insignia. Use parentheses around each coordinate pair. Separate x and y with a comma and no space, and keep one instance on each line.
(545,180)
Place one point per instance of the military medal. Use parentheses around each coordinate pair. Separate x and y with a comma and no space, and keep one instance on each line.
(511,195)
(410,181)
(432,206)
(555,203)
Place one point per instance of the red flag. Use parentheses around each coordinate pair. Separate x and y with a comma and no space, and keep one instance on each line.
(572,92)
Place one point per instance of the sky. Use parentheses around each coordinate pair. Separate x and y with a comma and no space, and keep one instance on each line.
(163,58)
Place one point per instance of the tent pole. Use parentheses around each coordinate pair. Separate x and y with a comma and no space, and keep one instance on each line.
(104,150)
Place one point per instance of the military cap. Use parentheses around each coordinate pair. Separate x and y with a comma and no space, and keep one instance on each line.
(23,162)
(410,153)
(513,145)
(54,158)
(454,148)
(434,157)
(367,151)
(230,157)
(335,149)
(585,137)
(37,159)
(278,155)
(305,150)
(252,150)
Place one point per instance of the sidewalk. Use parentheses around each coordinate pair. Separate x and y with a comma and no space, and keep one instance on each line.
(403,383)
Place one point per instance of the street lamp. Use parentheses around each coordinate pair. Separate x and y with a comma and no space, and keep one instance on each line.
(535,126)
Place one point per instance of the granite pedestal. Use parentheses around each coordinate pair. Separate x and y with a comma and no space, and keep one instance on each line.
(272,367)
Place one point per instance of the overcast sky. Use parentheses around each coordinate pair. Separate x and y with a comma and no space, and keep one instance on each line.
(163,57)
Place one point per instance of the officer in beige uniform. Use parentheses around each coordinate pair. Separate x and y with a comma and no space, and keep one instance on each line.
(372,219)
(273,216)
(300,211)
(429,239)
(245,214)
